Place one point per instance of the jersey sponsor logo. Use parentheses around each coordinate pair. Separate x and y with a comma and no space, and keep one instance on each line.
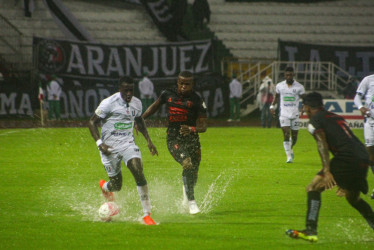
(289,98)
(120,133)
(177,111)
(122,126)
(178,118)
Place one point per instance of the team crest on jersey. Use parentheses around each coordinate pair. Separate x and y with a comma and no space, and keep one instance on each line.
(176,146)
(169,100)
(294,90)
(189,104)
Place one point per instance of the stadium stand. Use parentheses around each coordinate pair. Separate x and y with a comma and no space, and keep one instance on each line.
(252,29)
(114,22)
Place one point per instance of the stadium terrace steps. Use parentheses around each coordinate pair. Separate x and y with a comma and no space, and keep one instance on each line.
(245,27)
(109,23)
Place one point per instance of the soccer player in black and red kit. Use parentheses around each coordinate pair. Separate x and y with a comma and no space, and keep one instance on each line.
(347,169)
(187,116)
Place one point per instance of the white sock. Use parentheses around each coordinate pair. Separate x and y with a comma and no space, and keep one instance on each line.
(287,148)
(144,199)
(105,187)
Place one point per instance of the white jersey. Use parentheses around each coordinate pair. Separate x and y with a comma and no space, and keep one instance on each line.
(118,124)
(366,89)
(289,98)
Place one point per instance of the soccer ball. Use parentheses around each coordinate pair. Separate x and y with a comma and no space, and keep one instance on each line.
(108,210)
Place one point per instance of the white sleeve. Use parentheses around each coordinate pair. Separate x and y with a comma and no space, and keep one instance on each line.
(277,91)
(103,109)
(361,91)
(357,100)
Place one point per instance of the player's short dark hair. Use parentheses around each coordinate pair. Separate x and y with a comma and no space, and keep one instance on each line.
(125,79)
(289,69)
(313,100)
(186,74)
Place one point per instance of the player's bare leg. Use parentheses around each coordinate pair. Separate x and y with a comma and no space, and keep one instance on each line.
(136,168)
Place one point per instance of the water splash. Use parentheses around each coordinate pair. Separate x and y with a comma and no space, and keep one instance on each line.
(216,191)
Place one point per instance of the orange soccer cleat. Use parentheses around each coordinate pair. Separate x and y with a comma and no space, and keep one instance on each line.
(109,196)
(148,220)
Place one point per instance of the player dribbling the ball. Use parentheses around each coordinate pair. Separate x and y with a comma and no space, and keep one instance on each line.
(117,113)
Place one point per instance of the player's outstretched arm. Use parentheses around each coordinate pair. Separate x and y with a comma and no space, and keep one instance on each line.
(152,109)
(93,126)
(323,151)
(143,129)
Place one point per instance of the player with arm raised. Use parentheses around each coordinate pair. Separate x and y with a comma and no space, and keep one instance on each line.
(347,169)
(117,113)
(187,116)
(289,93)
(366,90)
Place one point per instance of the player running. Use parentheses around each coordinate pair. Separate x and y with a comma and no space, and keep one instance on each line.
(366,90)
(118,114)
(347,169)
(289,92)
(187,117)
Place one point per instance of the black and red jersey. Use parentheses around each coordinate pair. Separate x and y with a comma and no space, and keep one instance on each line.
(340,138)
(183,110)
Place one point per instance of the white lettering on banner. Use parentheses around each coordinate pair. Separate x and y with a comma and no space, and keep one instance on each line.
(131,61)
(167,59)
(114,63)
(173,62)
(160,12)
(8,106)
(218,105)
(314,55)
(291,52)
(95,57)
(365,59)
(204,50)
(75,60)
(184,59)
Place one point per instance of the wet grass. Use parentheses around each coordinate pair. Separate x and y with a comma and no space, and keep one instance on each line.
(247,193)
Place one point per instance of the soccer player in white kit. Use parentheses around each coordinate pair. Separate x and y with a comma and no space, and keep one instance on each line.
(366,90)
(117,113)
(289,92)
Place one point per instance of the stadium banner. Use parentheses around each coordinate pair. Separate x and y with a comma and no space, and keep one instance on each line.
(357,61)
(89,72)
(342,107)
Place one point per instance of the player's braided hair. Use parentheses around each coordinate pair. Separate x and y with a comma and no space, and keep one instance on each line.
(313,100)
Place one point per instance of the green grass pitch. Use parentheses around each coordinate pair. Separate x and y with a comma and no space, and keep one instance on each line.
(247,193)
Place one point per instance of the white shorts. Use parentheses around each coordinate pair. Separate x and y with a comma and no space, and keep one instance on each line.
(287,122)
(369,134)
(112,162)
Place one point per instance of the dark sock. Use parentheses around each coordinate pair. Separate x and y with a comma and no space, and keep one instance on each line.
(365,210)
(314,204)
(188,182)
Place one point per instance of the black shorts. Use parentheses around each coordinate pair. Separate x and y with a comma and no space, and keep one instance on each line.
(350,174)
(182,147)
